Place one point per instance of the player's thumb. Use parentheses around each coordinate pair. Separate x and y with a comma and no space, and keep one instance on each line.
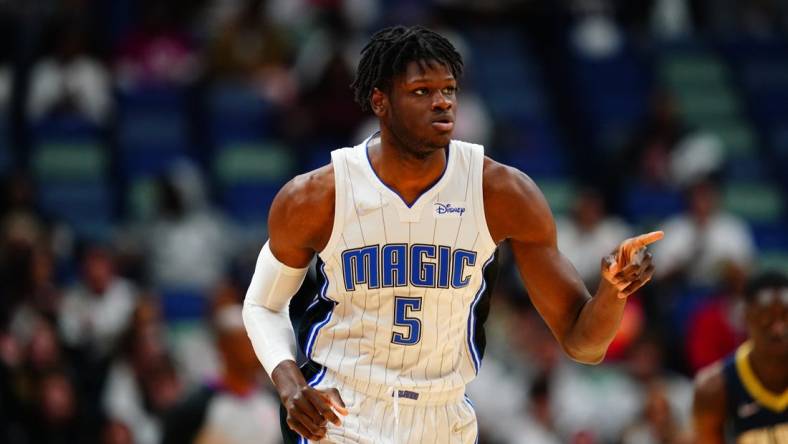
(332,396)
(609,266)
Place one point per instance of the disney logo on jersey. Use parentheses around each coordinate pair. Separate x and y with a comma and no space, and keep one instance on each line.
(448,209)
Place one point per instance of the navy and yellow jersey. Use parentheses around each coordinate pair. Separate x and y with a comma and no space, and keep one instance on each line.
(755,414)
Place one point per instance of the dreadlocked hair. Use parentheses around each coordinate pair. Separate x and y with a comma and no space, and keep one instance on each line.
(391,49)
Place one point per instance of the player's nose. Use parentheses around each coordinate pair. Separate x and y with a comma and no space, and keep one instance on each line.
(780,326)
(441,102)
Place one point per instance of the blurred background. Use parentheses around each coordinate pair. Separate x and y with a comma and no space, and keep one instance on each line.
(142,141)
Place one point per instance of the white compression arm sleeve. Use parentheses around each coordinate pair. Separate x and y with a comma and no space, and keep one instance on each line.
(266,314)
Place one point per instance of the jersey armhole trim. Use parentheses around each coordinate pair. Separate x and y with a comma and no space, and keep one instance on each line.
(339,202)
(481,217)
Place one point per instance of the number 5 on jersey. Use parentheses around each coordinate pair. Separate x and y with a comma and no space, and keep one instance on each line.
(403,307)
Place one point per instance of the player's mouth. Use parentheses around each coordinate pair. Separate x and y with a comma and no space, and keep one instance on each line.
(443,124)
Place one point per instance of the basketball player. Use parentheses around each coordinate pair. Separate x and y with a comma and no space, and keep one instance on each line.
(405,227)
(746,396)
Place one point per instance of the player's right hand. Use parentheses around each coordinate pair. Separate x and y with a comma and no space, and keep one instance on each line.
(309,409)
(630,266)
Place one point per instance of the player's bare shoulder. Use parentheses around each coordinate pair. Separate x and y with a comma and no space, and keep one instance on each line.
(514,205)
(708,404)
(303,210)
(710,386)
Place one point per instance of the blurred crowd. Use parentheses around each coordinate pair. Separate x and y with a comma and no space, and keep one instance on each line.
(141,142)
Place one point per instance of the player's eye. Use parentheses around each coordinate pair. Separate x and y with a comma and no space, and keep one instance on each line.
(420,91)
(449,90)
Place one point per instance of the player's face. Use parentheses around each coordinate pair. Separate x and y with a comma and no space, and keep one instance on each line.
(767,317)
(421,107)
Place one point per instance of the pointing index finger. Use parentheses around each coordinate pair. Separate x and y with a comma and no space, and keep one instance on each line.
(630,247)
(646,239)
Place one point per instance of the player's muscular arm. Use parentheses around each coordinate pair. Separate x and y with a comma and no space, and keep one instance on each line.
(517,211)
(299,224)
(301,217)
(708,406)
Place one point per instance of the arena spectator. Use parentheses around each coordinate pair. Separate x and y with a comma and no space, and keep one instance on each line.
(324,68)
(70,80)
(97,310)
(56,416)
(716,327)
(664,153)
(706,243)
(537,424)
(159,52)
(115,432)
(658,423)
(237,406)
(188,245)
(589,233)
(21,222)
(251,48)
(142,382)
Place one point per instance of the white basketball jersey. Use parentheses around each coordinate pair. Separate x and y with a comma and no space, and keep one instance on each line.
(404,290)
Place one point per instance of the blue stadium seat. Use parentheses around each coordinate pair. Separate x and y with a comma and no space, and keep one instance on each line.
(612,93)
(507,104)
(183,304)
(770,107)
(238,113)
(647,205)
(755,201)
(151,98)
(249,202)
(512,72)
(685,305)
(150,143)
(533,147)
(153,131)
(779,139)
(744,168)
(249,176)
(507,81)
(761,66)
(771,236)
(779,145)
(86,207)
(66,127)
(765,75)
(559,192)
(70,166)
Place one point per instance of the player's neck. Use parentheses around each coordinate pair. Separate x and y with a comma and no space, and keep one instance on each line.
(771,372)
(410,175)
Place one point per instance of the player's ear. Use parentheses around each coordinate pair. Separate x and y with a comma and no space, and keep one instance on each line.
(378,102)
